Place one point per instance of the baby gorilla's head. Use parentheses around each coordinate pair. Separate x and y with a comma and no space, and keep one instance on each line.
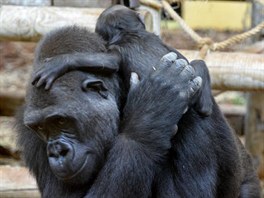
(117,20)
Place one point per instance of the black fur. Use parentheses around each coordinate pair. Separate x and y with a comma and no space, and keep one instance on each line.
(206,159)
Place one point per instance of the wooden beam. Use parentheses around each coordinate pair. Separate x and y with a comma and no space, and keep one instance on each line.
(29,23)
(21,23)
(152,3)
(254,122)
(233,70)
(26,2)
(254,129)
(16,182)
(83,3)
(10,101)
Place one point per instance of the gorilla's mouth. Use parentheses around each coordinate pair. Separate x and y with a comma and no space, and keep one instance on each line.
(64,173)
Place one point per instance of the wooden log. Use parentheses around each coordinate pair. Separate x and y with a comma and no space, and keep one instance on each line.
(7,135)
(152,3)
(254,122)
(29,23)
(235,115)
(256,48)
(82,3)
(20,23)
(10,101)
(26,2)
(16,182)
(233,70)
(257,14)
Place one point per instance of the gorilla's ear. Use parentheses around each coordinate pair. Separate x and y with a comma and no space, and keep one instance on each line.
(97,85)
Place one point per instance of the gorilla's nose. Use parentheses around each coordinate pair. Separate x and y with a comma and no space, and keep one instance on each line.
(58,148)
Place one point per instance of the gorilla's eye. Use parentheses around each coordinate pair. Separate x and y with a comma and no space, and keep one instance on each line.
(95,85)
(57,120)
(61,120)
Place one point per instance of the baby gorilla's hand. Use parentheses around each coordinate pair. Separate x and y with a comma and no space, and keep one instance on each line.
(50,70)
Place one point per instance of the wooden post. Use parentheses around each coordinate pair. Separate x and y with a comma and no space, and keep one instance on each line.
(22,23)
(254,128)
(16,182)
(155,19)
(257,14)
(254,122)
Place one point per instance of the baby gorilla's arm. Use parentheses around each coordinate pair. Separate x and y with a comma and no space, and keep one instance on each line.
(57,66)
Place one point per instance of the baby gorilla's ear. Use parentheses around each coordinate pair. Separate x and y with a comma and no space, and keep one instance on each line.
(134,80)
(204,102)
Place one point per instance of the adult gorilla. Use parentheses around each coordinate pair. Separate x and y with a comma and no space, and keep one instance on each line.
(70,136)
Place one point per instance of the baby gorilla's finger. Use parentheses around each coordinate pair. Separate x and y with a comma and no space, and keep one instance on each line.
(194,86)
(41,81)
(49,83)
(167,60)
(179,65)
(35,79)
(188,72)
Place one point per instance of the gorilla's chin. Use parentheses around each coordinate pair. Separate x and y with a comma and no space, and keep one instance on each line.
(64,170)
(74,171)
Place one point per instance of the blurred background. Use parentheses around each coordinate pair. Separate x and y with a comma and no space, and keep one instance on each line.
(228,35)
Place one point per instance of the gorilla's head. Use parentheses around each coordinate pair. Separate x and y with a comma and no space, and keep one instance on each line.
(78,117)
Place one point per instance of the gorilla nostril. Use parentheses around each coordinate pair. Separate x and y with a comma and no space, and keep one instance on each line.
(57,149)
(64,152)
(52,155)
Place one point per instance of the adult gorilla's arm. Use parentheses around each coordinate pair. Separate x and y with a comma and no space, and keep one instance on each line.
(153,108)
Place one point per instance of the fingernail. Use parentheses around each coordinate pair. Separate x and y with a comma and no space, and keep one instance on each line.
(134,79)
(198,81)
(181,62)
(170,56)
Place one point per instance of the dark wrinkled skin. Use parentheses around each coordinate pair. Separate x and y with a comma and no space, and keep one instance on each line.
(70,136)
